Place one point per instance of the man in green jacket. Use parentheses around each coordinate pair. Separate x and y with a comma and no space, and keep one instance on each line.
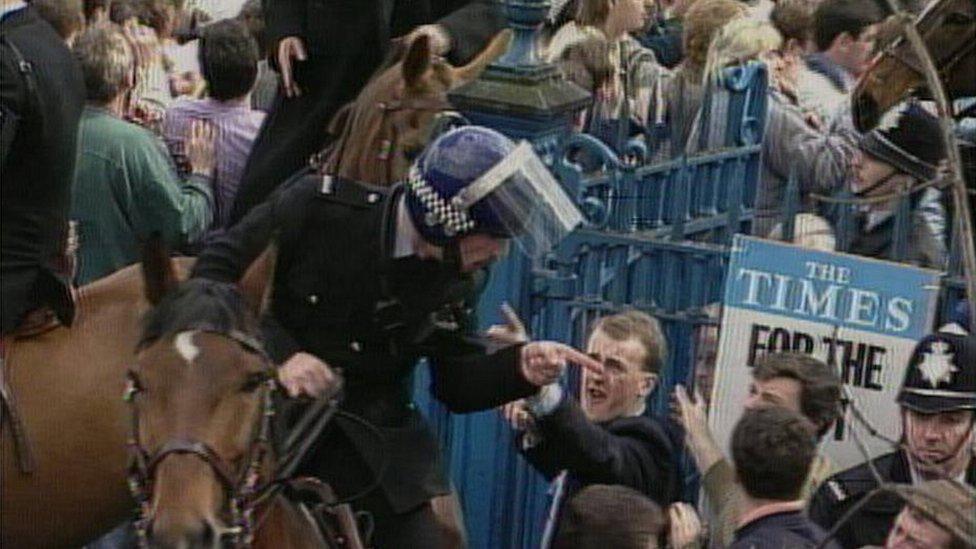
(126,185)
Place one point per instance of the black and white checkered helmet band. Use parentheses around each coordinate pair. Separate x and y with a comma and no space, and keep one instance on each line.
(439,211)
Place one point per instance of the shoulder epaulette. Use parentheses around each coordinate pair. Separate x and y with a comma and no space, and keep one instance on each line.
(349,192)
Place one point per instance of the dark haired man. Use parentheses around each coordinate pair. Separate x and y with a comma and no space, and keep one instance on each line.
(773,448)
(794,381)
(938,403)
(606,438)
(843,32)
(229,63)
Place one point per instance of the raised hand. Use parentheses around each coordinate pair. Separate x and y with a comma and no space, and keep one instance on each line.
(511,332)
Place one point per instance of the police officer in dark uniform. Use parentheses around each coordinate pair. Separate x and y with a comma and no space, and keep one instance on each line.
(42,93)
(938,401)
(369,280)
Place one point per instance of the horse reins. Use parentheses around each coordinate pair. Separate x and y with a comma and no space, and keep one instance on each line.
(242,489)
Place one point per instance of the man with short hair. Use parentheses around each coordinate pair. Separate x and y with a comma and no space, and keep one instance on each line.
(126,186)
(939,514)
(772,448)
(229,62)
(794,381)
(938,403)
(606,438)
(611,517)
(843,32)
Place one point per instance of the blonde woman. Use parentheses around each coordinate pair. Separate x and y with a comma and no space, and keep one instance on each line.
(820,160)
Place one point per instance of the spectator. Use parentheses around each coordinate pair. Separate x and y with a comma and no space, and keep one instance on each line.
(939,514)
(127,187)
(663,34)
(843,32)
(268,80)
(794,21)
(605,439)
(896,159)
(938,405)
(772,449)
(793,381)
(790,144)
(96,11)
(621,103)
(611,517)
(229,58)
(683,95)
(66,16)
(41,98)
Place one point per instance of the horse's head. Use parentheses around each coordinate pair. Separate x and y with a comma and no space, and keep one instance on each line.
(391,120)
(200,392)
(948,28)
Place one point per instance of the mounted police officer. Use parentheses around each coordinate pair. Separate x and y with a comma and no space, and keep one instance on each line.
(369,280)
(41,99)
(938,402)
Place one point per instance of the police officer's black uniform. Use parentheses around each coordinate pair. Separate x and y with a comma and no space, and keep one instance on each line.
(340,295)
(871,524)
(941,377)
(41,99)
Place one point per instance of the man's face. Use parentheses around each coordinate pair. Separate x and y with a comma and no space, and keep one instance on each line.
(868,171)
(480,250)
(913,531)
(855,54)
(783,392)
(622,387)
(627,15)
(939,443)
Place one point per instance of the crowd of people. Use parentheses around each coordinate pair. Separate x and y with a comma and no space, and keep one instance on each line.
(129,119)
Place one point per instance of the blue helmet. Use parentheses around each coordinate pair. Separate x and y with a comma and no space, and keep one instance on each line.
(453,161)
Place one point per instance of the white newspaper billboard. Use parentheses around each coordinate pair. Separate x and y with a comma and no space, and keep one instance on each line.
(859,314)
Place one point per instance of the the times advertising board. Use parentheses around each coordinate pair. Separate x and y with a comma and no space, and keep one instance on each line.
(861,315)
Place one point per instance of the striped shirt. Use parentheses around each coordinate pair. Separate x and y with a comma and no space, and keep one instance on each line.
(237,126)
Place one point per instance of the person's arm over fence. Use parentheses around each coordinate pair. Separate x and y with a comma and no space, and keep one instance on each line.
(821,160)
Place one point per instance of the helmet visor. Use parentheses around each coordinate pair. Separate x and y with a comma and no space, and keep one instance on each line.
(525,199)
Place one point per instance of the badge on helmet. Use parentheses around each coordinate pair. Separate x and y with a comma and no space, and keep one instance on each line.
(941,374)
(475,180)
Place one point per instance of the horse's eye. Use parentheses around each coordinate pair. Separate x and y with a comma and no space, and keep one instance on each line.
(254,381)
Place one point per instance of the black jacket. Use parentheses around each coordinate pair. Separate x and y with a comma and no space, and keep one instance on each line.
(338,294)
(636,452)
(871,524)
(347,40)
(780,531)
(41,99)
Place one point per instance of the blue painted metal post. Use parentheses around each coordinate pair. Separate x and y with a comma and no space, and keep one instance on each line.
(524,98)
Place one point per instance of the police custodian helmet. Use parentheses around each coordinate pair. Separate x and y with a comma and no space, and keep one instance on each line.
(941,375)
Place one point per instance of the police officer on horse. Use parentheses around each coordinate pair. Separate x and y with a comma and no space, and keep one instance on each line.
(369,280)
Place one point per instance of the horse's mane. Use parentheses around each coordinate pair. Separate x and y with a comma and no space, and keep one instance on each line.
(197,304)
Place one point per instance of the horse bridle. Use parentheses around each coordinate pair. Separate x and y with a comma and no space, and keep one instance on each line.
(387,146)
(242,489)
(952,59)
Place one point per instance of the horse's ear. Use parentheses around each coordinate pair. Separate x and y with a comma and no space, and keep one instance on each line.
(495,49)
(158,270)
(417,61)
(257,282)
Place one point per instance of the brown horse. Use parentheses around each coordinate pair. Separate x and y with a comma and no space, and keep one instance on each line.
(948,28)
(200,389)
(393,116)
(68,385)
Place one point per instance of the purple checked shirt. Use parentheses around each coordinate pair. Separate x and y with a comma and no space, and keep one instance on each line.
(237,125)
